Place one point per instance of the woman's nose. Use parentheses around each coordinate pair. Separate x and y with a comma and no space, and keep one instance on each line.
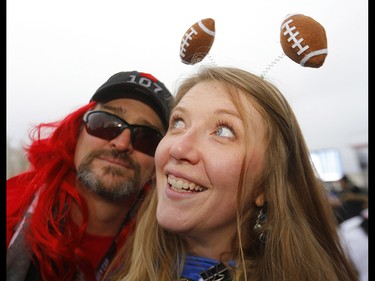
(185,147)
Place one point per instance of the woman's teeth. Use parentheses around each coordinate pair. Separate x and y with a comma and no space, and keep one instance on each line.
(179,185)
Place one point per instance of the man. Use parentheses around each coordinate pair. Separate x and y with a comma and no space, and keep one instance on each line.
(69,213)
(353,200)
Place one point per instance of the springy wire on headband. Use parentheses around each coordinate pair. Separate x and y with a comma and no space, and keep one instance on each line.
(272,64)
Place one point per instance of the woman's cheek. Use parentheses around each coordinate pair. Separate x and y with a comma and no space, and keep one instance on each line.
(161,153)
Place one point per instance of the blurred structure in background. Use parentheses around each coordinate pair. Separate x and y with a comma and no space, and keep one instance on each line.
(16,159)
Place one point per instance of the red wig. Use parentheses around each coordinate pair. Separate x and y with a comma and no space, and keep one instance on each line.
(52,172)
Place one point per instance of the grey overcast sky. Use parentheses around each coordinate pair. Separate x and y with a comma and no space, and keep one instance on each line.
(60,52)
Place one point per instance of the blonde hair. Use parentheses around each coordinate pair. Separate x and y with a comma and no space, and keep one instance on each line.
(302,239)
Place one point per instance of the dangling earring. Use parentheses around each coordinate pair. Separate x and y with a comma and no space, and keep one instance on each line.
(258,227)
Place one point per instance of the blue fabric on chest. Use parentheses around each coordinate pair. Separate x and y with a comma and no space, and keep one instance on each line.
(195,265)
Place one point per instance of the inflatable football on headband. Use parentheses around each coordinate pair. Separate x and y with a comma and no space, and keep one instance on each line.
(304,40)
(197,41)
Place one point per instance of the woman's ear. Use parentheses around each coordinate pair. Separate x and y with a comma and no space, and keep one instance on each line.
(259,201)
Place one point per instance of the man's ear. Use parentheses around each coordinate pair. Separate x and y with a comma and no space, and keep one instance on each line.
(259,201)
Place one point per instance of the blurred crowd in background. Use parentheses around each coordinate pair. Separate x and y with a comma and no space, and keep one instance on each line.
(350,205)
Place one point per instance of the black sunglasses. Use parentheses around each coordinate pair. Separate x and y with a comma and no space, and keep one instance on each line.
(108,126)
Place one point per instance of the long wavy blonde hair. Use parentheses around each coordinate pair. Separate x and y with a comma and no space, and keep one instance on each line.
(302,241)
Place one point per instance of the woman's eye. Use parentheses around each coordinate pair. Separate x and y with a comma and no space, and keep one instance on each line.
(224,132)
(178,124)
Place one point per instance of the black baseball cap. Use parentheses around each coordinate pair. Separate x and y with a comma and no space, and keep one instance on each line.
(140,86)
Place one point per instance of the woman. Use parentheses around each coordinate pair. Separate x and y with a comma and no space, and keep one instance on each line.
(236,197)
